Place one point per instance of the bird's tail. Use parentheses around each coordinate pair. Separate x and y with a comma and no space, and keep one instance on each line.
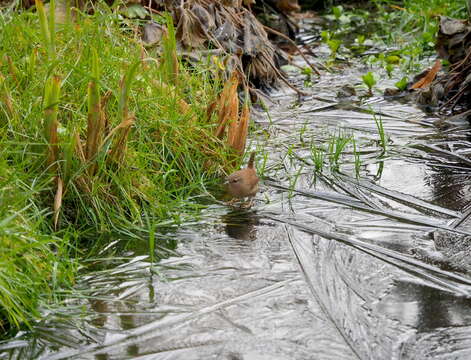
(251,160)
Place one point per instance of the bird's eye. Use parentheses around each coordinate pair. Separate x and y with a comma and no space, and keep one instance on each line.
(234,180)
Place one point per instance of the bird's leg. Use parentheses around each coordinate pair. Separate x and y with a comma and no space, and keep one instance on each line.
(248,204)
(231,202)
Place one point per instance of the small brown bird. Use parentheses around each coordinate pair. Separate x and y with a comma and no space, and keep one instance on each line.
(243,183)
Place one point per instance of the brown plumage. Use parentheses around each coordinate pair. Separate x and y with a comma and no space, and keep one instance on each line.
(243,183)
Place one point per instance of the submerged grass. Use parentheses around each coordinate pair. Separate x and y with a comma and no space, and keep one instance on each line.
(339,148)
(337,145)
(94,133)
(383,138)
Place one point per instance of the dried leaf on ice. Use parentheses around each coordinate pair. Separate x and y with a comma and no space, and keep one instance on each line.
(429,77)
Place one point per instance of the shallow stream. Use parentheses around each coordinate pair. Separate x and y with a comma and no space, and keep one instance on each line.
(324,266)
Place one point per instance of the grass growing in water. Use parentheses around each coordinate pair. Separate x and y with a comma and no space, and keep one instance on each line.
(337,147)
(94,132)
(317,156)
(404,30)
(383,138)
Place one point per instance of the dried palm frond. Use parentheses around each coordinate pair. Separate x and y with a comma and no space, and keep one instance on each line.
(240,139)
(228,104)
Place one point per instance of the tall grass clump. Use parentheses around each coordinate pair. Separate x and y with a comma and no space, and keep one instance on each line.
(95,131)
(32,265)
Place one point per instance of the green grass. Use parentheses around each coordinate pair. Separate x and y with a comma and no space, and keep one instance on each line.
(146,149)
(357,158)
(383,138)
(414,23)
(317,157)
(340,147)
(33,264)
(403,30)
(337,145)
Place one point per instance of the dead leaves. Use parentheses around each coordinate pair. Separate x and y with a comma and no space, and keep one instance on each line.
(118,150)
(231,28)
(453,39)
(189,28)
(227,109)
(228,104)
(429,77)
(238,131)
(152,34)
(287,6)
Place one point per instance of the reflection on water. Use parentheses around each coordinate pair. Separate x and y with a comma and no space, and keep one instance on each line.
(241,224)
(425,308)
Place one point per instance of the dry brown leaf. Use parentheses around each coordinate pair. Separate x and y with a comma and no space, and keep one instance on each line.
(175,68)
(104,101)
(243,129)
(287,6)
(204,18)
(210,109)
(83,184)
(79,148)
(397,7)
(189,30)
(53,147)
(427,79)
(228,104)
(183,106)
(232,114)
(118,150)
(57,201)
(9,105)
(128,122)
(152,34)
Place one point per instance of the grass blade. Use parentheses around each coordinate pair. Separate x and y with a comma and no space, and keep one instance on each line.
(58,201)
(51,109)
